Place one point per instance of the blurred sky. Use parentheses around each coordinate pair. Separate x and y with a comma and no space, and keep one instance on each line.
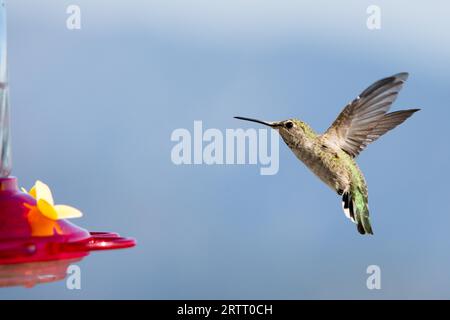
(93,111)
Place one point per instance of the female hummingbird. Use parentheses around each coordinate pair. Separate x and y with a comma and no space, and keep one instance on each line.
(331,155)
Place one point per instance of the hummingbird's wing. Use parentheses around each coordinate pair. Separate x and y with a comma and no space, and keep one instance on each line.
(365,119)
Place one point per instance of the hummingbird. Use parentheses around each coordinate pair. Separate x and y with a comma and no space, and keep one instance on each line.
(331,155)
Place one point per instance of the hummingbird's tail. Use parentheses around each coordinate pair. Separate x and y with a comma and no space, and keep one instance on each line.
(356,204)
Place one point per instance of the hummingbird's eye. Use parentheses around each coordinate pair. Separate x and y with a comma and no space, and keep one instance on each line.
(289,124)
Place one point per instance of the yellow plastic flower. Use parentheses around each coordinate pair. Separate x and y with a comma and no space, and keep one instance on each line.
(44,200)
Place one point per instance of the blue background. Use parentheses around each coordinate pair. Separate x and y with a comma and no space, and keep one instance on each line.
(93,111)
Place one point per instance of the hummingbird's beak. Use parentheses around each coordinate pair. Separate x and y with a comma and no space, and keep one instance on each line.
(270,124)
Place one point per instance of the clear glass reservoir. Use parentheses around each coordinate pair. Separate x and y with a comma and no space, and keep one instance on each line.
(5,140)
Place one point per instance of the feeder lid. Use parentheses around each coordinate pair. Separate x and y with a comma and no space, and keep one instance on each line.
(28,236)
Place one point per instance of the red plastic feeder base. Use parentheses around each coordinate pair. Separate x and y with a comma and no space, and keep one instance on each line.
(28,236)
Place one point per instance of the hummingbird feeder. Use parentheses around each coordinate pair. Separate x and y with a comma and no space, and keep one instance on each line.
(32,228)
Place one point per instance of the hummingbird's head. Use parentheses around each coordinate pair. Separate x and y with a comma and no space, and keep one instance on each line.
(289,130)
